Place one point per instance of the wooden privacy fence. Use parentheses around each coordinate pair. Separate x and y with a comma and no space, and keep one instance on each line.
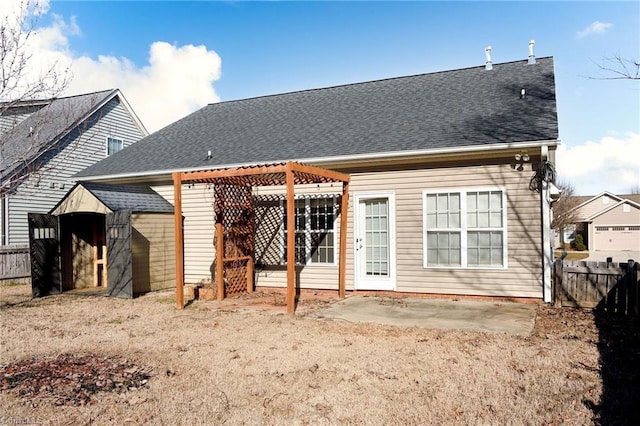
(14,263)
(613,287)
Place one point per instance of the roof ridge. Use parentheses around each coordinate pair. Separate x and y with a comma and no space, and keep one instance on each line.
(373,81)
(49,100)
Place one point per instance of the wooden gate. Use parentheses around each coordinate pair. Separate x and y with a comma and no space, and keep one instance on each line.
(613,287)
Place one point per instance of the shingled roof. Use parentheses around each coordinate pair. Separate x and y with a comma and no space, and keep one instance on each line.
(135,198)
(452,109)
(52,120)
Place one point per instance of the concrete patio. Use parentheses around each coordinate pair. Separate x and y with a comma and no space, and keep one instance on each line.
(493,317)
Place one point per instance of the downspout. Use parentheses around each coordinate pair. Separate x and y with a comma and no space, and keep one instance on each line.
(547,249)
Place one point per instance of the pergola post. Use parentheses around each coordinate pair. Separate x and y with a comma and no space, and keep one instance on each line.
(342,262)
(179,237)
(219,230)
(291,241)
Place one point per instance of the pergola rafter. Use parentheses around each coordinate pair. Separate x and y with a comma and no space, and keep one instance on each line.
(284,174)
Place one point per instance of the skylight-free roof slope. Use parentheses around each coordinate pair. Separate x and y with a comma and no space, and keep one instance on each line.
(44,127)
(461,108)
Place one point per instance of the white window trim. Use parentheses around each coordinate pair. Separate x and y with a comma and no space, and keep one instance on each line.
(463,226)
(307,224)
(106,144)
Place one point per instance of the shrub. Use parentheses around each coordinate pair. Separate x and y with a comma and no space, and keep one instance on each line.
(579,243)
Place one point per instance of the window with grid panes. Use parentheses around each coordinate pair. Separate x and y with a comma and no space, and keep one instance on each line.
(464,228)
(315,239)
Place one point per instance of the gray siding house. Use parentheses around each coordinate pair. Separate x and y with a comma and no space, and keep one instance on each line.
(44,143)
(448,187)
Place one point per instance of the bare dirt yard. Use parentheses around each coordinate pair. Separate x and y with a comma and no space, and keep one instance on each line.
(74,360)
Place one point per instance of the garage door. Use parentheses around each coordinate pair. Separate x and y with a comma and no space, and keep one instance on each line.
(617,238)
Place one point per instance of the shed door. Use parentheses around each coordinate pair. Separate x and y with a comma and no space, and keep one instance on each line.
(45,254)
(119,256)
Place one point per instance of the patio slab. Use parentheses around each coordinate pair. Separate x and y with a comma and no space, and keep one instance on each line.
(493,317)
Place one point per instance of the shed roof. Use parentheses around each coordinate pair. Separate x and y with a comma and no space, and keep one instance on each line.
(135,198)
(129,197)
(469,107)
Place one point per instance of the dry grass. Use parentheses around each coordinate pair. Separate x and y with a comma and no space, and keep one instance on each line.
(214,364)
(573,255)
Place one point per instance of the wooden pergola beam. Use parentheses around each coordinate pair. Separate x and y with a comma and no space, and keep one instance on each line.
(290,174)
(318,171)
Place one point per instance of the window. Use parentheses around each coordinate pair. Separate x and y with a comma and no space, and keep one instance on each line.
(114,145)
(44,233)
(314,230)
(626,208)
(465,228)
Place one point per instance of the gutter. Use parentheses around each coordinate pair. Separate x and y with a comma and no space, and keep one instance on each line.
(336,160)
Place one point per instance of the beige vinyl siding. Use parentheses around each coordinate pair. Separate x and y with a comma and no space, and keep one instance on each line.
(617,216)
(82,148)
(596,206)
(153,251)
(522,278)
(199,225)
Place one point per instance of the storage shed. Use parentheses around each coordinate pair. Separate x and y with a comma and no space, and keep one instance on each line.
(113,238)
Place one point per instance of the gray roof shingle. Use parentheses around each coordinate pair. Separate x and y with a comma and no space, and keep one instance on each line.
(44,127)
(129,197)
(461,108)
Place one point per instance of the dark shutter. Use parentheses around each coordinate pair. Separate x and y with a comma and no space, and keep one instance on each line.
(119,256)
(45,254)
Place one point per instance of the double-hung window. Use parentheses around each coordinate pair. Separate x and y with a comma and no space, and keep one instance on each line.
(314,231)
(465,228)
(114,145)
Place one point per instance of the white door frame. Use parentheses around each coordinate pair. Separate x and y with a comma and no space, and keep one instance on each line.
(361,282)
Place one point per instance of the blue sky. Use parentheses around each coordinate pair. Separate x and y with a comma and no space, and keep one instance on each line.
(256,48)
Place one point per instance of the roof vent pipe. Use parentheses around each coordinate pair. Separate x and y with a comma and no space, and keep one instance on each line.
(532,58)
(487,64)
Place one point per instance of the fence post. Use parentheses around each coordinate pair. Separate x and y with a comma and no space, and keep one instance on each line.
(633,289)
(557,282)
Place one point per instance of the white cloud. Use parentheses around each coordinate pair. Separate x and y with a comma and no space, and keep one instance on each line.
(596,27)
(610,164)
(174,82)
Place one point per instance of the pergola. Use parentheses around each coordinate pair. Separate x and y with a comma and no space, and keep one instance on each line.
(233,190)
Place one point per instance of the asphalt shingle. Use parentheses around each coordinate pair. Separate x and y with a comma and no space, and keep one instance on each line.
(129,197)
(44,127)
(460,108)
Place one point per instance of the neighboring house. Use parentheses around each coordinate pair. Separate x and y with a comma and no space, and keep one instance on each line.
(609,222)
(45,142)
(447,190)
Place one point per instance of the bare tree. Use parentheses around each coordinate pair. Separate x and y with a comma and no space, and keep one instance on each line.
(634,189)
(619,68)
(564,210)
(26,86)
